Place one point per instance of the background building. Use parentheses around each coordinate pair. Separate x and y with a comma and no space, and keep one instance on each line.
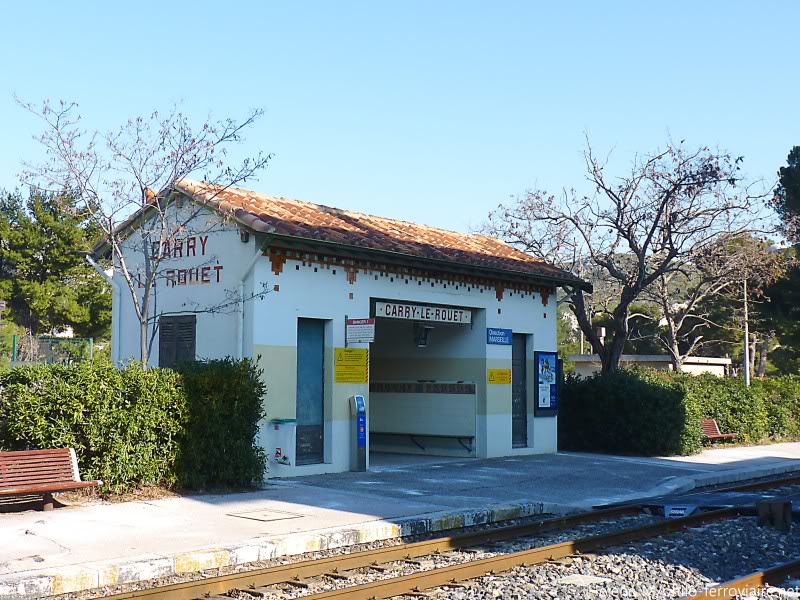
(589,364)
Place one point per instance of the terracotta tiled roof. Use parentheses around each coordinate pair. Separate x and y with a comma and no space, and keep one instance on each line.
(304,220)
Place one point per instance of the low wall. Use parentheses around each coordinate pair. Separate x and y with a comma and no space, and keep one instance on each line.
(423,408)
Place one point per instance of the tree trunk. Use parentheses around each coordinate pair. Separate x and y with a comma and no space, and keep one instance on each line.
(675,359)
(619,327)
(753,346)
(143,346)
(763,350)
(613,352)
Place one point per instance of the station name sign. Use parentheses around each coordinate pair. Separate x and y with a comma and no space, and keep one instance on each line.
(417,312)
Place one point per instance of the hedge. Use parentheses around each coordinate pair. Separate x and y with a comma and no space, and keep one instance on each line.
(219,447)
(641,411)
(132,427)
(629,411)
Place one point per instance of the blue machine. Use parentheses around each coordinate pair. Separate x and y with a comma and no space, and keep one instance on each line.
(358,409)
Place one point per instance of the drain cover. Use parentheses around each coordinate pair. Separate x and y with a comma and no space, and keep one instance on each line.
(265,515)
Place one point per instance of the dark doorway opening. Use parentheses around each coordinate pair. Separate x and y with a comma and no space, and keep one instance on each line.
(310,391)
(519,392)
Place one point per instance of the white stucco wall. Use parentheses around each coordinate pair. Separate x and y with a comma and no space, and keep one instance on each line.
(223,256)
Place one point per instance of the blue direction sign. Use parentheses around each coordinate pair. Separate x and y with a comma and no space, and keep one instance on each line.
(501,337)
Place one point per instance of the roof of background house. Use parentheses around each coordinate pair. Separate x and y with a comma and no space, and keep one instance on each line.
(653,358)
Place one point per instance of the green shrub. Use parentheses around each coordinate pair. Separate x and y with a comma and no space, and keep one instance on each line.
(736,408)
(219,447)
(132,427)
(781,397)
(629,411)
(659,412)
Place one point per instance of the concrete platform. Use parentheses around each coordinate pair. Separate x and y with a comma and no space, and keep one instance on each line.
(81,547)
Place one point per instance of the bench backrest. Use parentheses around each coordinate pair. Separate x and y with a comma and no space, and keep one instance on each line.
(38,467)
(710,427)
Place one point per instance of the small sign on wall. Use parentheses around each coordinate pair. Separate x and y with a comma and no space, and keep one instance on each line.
(498,376)
(360,331)
(547,386)
(351,365)
(501,337)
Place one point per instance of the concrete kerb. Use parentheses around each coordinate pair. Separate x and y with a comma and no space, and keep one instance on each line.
(74,578)
(682,485)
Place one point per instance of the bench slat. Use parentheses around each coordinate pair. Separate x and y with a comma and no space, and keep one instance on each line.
(55,460)
(62,464)
(35,468)
(11,454)
(34,474)
(50,487)
(8,480)
(36,465)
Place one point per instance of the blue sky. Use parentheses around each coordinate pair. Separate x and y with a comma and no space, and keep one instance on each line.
(428,111)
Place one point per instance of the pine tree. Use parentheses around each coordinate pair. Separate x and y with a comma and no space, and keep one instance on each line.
(43,278)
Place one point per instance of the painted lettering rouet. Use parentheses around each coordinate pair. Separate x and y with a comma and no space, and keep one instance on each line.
(195,276)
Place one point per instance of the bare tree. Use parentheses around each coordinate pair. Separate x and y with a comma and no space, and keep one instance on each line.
(128,176)
(632,230)
(686,293)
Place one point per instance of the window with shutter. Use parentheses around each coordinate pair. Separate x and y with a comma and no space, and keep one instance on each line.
(176,339)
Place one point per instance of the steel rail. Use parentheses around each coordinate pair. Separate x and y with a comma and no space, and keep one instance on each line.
(758,485)
(451,575)
(752,583)
(367,558)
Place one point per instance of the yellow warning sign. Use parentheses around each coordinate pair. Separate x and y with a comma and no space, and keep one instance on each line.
(498,375)
(351,365)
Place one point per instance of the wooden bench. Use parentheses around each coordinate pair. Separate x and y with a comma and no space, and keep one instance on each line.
(40,472)
(711,431)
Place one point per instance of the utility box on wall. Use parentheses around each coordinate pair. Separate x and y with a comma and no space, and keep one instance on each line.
(281,439)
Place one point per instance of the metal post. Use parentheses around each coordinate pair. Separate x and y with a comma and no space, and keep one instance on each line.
(13,348)
(746,340)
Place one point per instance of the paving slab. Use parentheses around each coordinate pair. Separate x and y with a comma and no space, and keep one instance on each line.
(86,546)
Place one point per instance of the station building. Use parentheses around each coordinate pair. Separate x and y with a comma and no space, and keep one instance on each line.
(450,338)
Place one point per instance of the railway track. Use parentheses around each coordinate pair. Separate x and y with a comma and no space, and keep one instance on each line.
(751,583)
(301,579)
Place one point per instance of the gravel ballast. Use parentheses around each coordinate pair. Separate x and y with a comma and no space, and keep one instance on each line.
(659,568)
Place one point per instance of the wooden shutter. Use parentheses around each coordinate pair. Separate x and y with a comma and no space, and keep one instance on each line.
(177,340)
(166,342)
(186,338)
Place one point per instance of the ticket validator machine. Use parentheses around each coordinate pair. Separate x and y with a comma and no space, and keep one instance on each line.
(358,456)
